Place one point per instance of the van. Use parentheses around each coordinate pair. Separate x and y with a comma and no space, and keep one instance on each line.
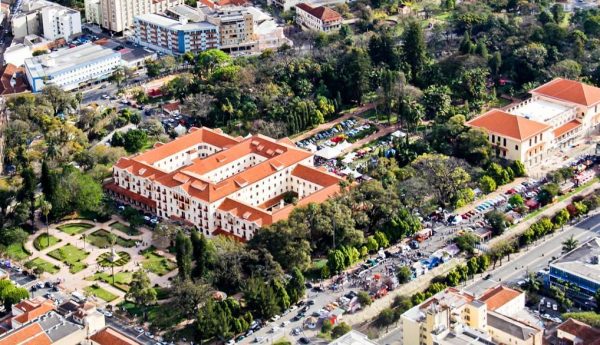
(78,297)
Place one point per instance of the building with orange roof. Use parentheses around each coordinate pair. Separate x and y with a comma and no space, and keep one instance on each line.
(110,336)
(557,114)
(222,184)
(320,18)
(573,332)
(454,314)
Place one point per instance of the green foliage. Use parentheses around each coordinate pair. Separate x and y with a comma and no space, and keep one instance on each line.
(467,242)
(487,184)
(589,317)
(11,294)
(183,250)
(404,274)
(364,299)
(340,329)
(497,221)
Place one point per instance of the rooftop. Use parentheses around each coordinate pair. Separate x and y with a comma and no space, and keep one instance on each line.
(353,338)
(166,22)
(110,336)
(569,91)
(45,330)
(583,331)
(581,261)
(448,298)
(511,326)
(55,62)
(497,297)
(539,110)
(508,125)
(324,13)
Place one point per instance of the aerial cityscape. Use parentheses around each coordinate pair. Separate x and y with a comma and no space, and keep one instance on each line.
(282,172)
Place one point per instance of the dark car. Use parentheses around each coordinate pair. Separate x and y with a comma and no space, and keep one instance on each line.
(310,302)
(296,318)
(487,277)
(308,285)
(317,289)
(304,341)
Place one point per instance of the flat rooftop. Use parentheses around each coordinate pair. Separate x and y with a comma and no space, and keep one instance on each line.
(168,23)
(353,338)
(45,65)
(582,261)
(540,110)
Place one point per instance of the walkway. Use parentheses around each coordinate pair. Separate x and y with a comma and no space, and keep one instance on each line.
(77,281)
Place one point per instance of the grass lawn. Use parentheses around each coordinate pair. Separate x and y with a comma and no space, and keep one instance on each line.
(99,239)
(16,251)
(159,315)
(104,259)
(44,241)
(74,228)
(43,265)
(70,255)
(101,293)
(122,279)
(158,264)
(124,229)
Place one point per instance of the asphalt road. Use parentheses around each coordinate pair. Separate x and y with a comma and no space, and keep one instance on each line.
(536,258)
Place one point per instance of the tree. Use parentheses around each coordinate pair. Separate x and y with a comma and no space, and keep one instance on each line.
(518,168)
(487,184)
(353,73)
(188,296)
(326,327)
(597,301)
(141,291)
(444,174)
(385,318)
(467,242)
(569,244)
(183,247)
(11,294)
(209,60)
(516,201)
(414,50)
(134,140)
(404,274)
(295,286)
(204,253)
(46,207)
(497,221)
(437,102)
(473,266)
(27,192)
(548,192)
(364,299)
(340,330)
(336,260)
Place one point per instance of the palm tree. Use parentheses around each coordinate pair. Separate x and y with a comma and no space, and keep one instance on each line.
(112,239)
(570,244)
(46,207)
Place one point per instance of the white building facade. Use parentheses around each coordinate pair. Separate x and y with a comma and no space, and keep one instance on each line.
(71,68)
(118,15)
(60,22)
(93,12)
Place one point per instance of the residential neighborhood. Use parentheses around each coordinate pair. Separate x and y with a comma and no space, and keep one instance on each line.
(299,172)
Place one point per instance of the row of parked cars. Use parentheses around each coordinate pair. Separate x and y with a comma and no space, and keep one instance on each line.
(343,127)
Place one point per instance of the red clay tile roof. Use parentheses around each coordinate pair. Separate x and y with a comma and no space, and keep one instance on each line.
(220,231)
(246,212)
(567,127)
(109,336)
(133,196)
(171,107)
(496,297)
(316,176)
(7,74)
(232,2)
(32,334)
(516,127)
(583,331)
(570,91)
(323,13)
(38,310)
(188,141)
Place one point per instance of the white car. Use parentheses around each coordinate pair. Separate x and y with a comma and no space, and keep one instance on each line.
(275,329)
(139,329)
(275,318)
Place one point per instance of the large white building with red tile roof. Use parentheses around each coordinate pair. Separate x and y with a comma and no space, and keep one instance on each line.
(557,113)
(221,184)
(319,18)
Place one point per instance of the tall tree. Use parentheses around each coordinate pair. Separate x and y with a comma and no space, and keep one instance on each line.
(141,291)
(204,253)
(414,50)
(183,247)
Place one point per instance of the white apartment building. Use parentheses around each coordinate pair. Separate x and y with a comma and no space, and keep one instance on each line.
(93,12)
(321,18)
(47,19)
(557,114)
(60,22)
(118,15)
(221,184)
(71,68)
(453,316)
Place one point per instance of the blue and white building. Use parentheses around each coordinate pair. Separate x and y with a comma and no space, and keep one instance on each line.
(174,37)
(578,271)
(72,68)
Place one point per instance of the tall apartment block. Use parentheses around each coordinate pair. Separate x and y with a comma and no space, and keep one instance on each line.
(118,15)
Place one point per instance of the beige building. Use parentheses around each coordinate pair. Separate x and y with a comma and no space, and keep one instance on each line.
(118,15)
(93,12)
(236,28)
(556,115)
(454,314)
(221,184)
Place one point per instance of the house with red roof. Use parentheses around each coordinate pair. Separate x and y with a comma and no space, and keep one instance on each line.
(556,115)
(321,18)
(222,184)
